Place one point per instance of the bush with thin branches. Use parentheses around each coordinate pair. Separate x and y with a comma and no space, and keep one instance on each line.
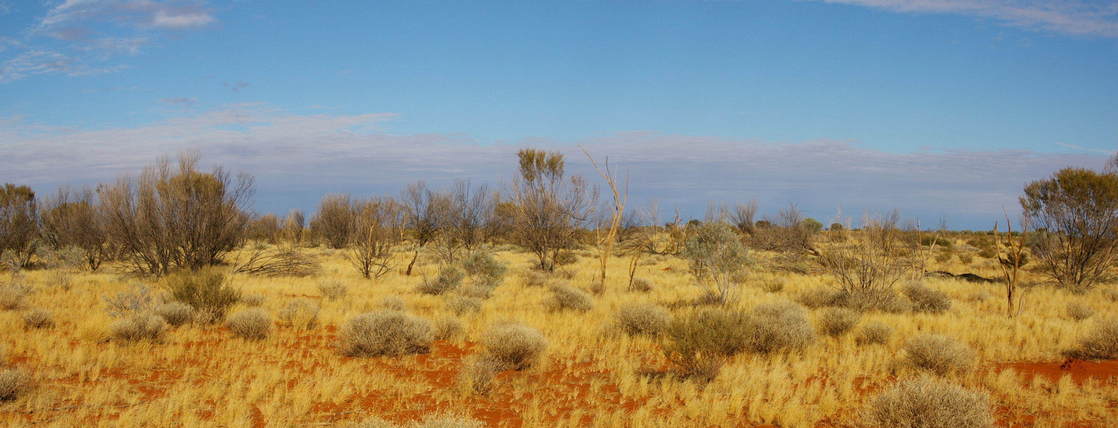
(385,332)
(938,354)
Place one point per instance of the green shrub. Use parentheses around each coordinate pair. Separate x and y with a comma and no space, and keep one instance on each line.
(251,324)
(175,313)
(13,384)
(37,318)
(567,297)
(836,322)
(925,299)
(926,402)
(876,333)
(643,318)
(300,313)
(207,291)
(385,332)
(513,346)
(699,343)
(938,354)
(138,327)
(1101,343)
(449,278)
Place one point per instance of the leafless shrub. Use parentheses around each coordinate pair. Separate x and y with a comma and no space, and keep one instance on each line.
(423,212)
(172,218)
(385,332)
(449,279)
(300,313)
(70,220)
(925,299)
(292,230)
(332,289)
(872,263)
(38,318)
(1079,311)
(464,221)
(837,321)
(19,224)
(13,384)
(139,327)
(513,346)
(875,333)
(643,319)
(273,262)
(567,297)
(263,228)
(927,402)
(252,324)
(938,354)
(137,299)
(790,232)
(1101,343)
(175,313)
(377,230)
(549,207)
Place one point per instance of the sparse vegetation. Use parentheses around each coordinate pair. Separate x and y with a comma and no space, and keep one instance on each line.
(1100,343)
(643,318)
(926,402)
(385,332)
(513,346)
(569,298)
(252,324)
(938,354)
(925,299)
(837,321)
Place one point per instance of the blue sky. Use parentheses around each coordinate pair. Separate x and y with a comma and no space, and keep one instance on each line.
(934,107)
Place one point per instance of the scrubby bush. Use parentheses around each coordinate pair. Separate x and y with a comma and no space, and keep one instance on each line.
(332,289)
(1079,311)
(938,354)
(837,321)
(433,421)
(513,346)
(876,333)
(449,278)
(643,318)
(385,332)
(137,299)
(207,291)
(139,327)
(567,297)
(252,324)
(1101,343)
(715,255)
(779,326)
(11,297)
(252,300)
(301,313)
(700,342)
(175,313)
(484,268)
(925,299)
(819,297)
(478,374)
(447,328)
(927,402)
(463,304)
(773,285)
(13,383)
(37,318)
(395,303)
(884,300)
(641,285)
(477,291)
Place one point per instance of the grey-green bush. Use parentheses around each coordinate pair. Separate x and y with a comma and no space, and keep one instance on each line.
(927,402)
(37,318)
(175,313)
(643,319)
(385,332)
(875,333)
(449,278)
(925,299)
(300,313)
(567,297)
(447,328)
(251,324)
(513,346)
(779,326)
(836,322)
(938,354)
(463,304)
(484,268)
(138,327)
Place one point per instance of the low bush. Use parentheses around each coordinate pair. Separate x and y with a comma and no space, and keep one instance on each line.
(836,322)
(567,297)
(138,327)
(175,313)
(385,332)
(535,279)
(251,324)
(773,285)
(37,318)
(819,297)
(395,303)
(332,289)
(699,343)
(300,313)
(1079,311)
(643,319)
(925,299)
(641,285)
(779,326)
(207,291)
(938,354)
(463,304)
(137,299)
(13,384)
(484,268)
(447,328)
(874,333)
(449,278)
(513,346)
(11,298)
(476,291)
(1101,343)
(926,402)
(478,374)
(252,300)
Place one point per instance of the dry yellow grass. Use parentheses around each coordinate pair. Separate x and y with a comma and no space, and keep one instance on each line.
(590,375)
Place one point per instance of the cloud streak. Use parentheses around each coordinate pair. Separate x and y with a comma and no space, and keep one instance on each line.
(309,155)
(1077,17)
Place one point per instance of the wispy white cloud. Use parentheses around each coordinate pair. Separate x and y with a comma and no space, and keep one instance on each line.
(1078,17)
(134,13)
(180,101)
(37,62)
(315,154)
(167,19)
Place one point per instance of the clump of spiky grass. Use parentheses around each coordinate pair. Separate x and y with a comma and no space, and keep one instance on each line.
(139,327)
(447,328)
(925,299)
(333,289)
(385,332)
(300,313)
(175,313)
(251,324)
(836,322)
(567,297)
(643,319)
(38,318)
(927,402)
(513,346)
(449,278)
(463,304)
(938,354)
(1101,343)
(875,333)
(13,384)
(1079,311)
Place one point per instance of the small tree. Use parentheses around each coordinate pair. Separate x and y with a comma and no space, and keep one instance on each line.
(292,230)
(425,211)
(716,256)
(19,223)
(1078,211)
(377,230)
(871,263)
(606,241)
(70,219)
(549,206)
(464,221)
(334,220)
(1012,256)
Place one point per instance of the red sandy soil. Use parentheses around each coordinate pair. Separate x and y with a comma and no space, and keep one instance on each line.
(564,384)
